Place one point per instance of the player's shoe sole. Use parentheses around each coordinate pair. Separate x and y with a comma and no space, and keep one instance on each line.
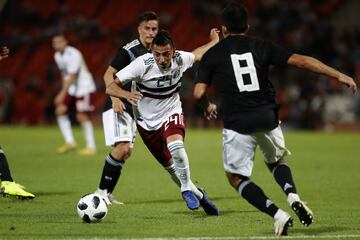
(208,206)
(191,201)
(304,213)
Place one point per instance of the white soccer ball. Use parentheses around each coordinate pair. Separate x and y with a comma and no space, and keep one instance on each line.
(92,208)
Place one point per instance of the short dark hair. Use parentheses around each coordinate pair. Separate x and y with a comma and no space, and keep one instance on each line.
(147,16)
(235,18)
(163,38)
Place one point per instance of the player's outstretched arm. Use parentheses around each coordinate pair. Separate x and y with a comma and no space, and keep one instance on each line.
(4,52)
(113,89)
(214,39)
(314,65)
(210,109)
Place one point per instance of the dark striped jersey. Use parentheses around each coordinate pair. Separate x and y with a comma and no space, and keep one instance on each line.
(238,65)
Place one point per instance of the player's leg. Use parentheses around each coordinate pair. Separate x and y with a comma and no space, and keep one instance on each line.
(272,144)
(119,131)
(157,147)
(174,133)
(84,107)
(238,156)
(8,187)
(65,125)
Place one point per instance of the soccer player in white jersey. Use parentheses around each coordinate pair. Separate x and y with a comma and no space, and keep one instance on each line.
(77,88)
(7,185)
(161,122)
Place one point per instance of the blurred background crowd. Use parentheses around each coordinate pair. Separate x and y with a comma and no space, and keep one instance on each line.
(326,29)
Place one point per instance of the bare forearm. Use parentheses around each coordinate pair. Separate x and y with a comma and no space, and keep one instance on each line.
(113,90)
(68,82)
(314,65)
(200,51)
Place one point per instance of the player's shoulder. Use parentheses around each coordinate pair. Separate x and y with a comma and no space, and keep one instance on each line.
(146,59)
(132,44)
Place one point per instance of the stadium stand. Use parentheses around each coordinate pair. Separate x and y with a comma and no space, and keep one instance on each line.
(102,26)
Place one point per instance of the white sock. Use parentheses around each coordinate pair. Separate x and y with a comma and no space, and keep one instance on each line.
(172,171)
(89,134)
(65,129)
(181,163)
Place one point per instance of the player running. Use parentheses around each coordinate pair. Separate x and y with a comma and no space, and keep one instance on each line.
(239,67)
(160,119)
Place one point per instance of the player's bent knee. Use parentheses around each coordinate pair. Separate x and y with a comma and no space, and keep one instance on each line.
(235,179)
(82,117)
(60,110)
(121,151)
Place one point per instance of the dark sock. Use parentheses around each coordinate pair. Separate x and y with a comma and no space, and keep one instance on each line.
(111,173)
(283,177)
(256,197)
(5,174)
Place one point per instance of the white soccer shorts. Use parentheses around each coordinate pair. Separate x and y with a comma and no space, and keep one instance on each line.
(239,149)
(118,127)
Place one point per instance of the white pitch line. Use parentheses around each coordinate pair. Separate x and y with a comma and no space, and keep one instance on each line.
(338,236)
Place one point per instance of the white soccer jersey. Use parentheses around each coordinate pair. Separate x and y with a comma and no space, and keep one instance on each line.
(159,87)
(71,61)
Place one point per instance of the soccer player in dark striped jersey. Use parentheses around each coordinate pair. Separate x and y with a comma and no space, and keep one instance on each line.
(238,66)
(118,122)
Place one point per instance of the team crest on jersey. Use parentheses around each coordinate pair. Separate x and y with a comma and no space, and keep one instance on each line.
(175,74)
(178,59)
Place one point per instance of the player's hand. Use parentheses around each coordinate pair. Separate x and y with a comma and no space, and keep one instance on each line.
(133,97)
(348,81)
(214,34)
(4,53)
(118,106)
(211,112)
(60,98)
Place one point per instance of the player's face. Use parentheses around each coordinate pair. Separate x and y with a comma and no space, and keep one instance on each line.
(147,31)
(163,55)
(59,43)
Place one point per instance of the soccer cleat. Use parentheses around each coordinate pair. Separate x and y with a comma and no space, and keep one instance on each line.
(113,200)
(303,212)
(191,201)
(66,148)
(108,197)
(282,222)
(87,151)
(208,206)
(14,189)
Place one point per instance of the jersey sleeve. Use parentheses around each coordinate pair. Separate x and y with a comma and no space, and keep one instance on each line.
(74,63)
(204,71)
(133,71)
(277,55)
(188,59)
(121,60)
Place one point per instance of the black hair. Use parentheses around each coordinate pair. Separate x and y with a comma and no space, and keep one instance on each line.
(147,16)
(163,38)
(235,18)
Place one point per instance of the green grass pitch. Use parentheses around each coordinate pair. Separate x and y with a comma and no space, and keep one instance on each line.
(326,168)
